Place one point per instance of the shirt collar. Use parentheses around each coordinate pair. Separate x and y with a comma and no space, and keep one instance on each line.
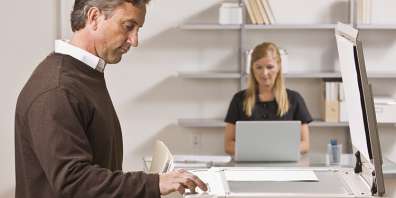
(63,47)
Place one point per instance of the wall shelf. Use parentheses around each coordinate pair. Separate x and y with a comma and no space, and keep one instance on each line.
(291,27)
(290,75)
(201,123)
(214,75)
(312,75)
(216,26)
(378,75)
(376,26)
(219,123)
(209,26)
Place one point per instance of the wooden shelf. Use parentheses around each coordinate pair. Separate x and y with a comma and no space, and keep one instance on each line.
(212,75)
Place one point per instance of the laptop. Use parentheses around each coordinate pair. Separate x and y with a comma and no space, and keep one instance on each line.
(269,141)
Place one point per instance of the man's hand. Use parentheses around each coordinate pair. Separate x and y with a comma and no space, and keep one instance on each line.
(179,180)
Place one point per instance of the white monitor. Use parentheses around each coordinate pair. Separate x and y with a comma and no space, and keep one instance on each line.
(360,107)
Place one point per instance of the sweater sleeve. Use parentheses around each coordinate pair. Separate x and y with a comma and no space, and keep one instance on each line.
(61,146)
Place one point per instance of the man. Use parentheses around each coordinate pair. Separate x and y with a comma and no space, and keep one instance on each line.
(68,140)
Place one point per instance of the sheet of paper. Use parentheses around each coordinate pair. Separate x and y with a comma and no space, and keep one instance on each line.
(270,175)
(203,158)
(190,165)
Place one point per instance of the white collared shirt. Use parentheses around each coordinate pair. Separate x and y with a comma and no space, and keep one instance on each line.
(63,47)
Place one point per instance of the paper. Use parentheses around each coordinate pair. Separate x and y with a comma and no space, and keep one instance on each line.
(202,158)
(270,175)
(189,165)
(205,175)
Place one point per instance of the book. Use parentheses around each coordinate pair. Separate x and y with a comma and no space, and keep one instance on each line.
(269,12)
(262,12)
(256,12)
(250,12)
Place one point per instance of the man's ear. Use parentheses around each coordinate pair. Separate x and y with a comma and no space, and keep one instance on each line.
(93,17)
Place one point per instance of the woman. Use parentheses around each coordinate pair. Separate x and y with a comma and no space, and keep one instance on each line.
(266,98)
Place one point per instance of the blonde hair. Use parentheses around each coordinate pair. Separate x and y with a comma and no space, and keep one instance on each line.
(261,51)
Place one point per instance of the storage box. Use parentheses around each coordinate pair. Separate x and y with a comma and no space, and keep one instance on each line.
(331,111)
(230,14)
(385,109)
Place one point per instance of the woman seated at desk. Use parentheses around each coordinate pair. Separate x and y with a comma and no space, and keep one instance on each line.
(266,98)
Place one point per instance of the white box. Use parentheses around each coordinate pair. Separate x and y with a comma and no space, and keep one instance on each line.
(230,14)
(385,108)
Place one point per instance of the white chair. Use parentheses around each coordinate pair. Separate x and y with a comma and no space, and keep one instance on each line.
(162,160)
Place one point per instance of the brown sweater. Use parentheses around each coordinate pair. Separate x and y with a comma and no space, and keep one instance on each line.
(68,140)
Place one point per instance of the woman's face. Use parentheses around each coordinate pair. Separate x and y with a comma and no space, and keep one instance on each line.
(265,71)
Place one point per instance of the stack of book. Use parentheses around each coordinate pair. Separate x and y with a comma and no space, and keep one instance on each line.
(363,11)
(259,11)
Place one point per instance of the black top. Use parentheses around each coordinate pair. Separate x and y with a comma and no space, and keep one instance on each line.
(268,110)
(68,140)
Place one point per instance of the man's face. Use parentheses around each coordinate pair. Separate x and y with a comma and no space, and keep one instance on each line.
(116,34)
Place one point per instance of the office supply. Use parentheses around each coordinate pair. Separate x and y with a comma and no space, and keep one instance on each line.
(267,140)
(334,151)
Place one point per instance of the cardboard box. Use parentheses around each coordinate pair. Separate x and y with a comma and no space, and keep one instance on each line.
(331,111)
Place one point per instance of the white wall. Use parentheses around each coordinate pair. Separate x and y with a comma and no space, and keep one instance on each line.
(148,95)
(26,36)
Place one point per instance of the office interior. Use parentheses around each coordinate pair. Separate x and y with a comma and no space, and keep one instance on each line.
(177,85)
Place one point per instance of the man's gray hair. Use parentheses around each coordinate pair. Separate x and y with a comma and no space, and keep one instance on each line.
(81,7)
